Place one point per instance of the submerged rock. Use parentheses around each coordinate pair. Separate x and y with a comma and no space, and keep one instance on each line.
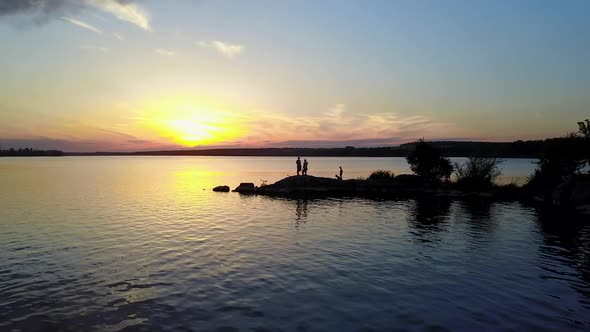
(245,187)
(223,189)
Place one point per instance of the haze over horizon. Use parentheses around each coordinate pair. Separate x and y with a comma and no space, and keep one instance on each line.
(125,75)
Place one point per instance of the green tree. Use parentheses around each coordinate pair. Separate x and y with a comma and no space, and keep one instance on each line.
(427,161)
(445,168)
(584,132)
(563,156)
(584,128)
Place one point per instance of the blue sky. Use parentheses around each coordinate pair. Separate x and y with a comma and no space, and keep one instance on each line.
(99,74)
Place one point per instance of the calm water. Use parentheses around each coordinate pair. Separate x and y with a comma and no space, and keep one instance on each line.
(124,243)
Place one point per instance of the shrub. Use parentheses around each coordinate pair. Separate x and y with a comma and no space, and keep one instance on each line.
(478,173)
(584,128)
(382,175)
(426,161)
(445,168)
(562,157)
(584,133)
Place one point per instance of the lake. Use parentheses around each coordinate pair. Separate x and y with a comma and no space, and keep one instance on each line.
(142,243)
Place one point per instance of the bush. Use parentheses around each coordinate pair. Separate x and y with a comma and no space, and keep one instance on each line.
(478,173)
(382,175)
(427,162)
(584,128)
(562,157)
(584,134)
(445,168)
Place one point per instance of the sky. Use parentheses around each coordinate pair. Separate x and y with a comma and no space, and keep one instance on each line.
(125,75)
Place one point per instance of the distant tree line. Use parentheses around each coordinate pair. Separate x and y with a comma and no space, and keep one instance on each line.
(30,152)
(517,149)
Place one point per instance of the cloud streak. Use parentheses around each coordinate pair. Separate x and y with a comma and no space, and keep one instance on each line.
(124,10)
(226,49)
(94,48)
(337,124)
(42,11)
(82,24)
(165,52)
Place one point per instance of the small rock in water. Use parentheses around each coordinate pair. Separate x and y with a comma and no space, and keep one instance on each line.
(223,189)
(246,187)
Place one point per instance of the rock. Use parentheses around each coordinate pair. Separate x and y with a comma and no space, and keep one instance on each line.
(309,184)
(403,185)
(245,187)
(223,189)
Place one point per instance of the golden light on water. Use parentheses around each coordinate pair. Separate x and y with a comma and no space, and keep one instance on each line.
(190,121)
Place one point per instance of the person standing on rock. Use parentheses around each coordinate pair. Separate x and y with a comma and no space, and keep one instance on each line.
(298,163)
(304,167)
(339,177)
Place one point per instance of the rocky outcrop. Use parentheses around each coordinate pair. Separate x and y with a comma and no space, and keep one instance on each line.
(309,184)
(223,189)
(246,187)
(573,193)
(402,185)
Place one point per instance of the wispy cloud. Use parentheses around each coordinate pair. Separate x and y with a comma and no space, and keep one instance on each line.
(337,124)
(226,49)
(165,52)
(124,10)
(42,11)
(94,48)
(119,36)
(82,24)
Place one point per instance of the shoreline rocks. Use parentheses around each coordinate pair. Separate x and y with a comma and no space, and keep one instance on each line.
(246,187)
(407,185)
(221,189)
(573,194)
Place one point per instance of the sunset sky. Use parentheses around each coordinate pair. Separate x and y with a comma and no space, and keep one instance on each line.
(108,75)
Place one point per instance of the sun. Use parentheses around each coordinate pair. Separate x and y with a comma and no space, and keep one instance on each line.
(190,121)
(191,132)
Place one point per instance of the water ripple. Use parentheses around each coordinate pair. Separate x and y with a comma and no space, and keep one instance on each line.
(124,246)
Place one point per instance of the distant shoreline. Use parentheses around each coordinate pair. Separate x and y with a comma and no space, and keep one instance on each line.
(517,149)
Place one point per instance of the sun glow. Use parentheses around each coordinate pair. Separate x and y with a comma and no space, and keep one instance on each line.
(188,121)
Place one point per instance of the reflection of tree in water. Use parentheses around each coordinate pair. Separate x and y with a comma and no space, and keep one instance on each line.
(477,213)
(568,236)
(428,216)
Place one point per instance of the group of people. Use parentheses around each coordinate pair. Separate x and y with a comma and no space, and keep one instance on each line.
(303,169)
(299,169)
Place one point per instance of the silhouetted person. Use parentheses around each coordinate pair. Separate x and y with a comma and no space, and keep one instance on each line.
(298,163)
(339,177)
(304,172)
